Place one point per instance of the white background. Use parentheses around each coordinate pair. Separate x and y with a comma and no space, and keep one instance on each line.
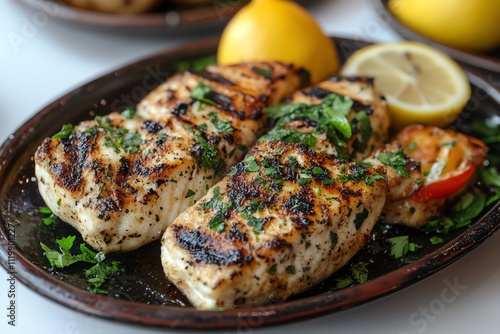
(57,57)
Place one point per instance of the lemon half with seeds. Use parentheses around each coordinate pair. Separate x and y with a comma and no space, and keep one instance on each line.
(421,84)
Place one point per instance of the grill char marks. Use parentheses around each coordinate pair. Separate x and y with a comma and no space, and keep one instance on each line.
(292,207)
(215,77)
(288,228)
(121,179)
(317,92)
(76,155)
(205,249)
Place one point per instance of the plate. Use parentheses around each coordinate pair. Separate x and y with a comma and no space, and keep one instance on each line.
(168,18)
(485,61)
(141,294)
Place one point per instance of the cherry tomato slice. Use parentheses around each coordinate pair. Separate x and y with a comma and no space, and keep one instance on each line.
(444,188)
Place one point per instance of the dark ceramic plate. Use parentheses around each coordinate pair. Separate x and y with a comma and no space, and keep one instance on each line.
(168,18)
(487,61)
(141,294)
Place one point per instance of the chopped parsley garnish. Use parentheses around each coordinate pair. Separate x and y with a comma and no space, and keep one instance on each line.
(396,160)
(319,171)
(359,274)
(197,64)
(189,193)
(271,271)
(291,270)
(206,156)
(217,222)
(378,177)
(215,202)
(290,136)
(360,218)
(411,146)
(356,173)
(256,223)
(116,138)
(400,246)
(262,71)
(436,240)
(247,212)
(303,181)
(128,113)
(220,126)
(201,93)
(333,239)
(96,275)
(66,131)
(469,206)
(251,164)
(329,117)
(48,217)
(365,129)
(131,142)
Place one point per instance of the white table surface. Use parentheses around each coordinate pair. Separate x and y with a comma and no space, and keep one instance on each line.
(52,57)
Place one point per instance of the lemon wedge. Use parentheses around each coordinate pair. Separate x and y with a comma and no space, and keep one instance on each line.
(421,84)
(278,30)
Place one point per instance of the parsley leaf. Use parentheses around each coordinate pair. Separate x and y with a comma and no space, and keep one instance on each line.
(66,131)
(131,142)
(128,113)
(116,138)
(251,164)
(220,126)
(201,93)
(329,117)
(262,71)
(217,222)
(359,274)
(271,271)
(196,64)
(396,160)
(189,193)
(365,129)
(100,272)
(436,240)
(289,136)
(290,269)
(333,239)
(48,217)
(96,275)
(360,218)
(400,246)
(206,153)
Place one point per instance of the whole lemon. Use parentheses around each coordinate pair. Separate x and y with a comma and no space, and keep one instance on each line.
(464,24)
(278,30)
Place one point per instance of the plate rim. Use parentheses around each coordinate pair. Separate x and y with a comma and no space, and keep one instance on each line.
(479,60)
(201,17)
(40,281)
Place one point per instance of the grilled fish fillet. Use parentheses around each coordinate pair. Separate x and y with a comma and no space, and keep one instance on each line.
(120,181)
(282,220)
(253,239)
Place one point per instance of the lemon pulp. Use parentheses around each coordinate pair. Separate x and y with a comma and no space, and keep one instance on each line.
(421,84)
